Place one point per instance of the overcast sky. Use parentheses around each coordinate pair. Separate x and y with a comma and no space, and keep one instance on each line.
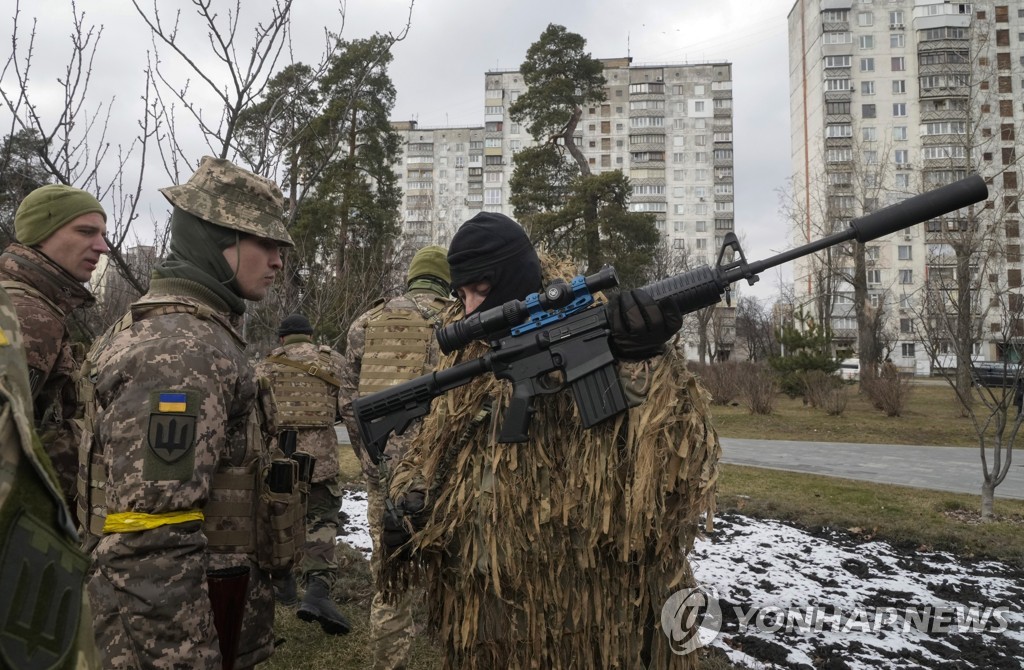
(438,70)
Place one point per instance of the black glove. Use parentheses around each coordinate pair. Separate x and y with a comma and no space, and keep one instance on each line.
(413,506)
(394,533)
(640,326)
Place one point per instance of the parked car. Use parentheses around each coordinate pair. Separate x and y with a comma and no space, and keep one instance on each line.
(995,373)
(849,369)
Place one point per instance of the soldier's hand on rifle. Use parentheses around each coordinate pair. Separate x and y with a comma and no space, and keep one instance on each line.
(641,326)
(394,533)
(413,504)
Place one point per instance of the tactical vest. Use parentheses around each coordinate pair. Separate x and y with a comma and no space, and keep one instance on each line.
(306,393)
(42,618)
(241,514)
(397,346)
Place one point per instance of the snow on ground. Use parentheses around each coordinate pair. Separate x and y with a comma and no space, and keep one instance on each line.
(792,598)
(876,606)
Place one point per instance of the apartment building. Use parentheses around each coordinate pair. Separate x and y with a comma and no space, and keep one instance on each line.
(667,127)
(441,174)
(890,98)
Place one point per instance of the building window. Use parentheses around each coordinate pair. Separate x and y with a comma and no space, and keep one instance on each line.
(897,40)
(906,325)
(867,111)
(838,61)
(492,196)
(867,64)
(901,156)
(906,276)
(867,88)
(901,180)
(896,18)
(867,41)
(907,349)
(871,157)
(904,252)
(874,276)
(899,133)
(899,63)
(899,86)
(867,134)
(865,19)
(839,130)
(899,109)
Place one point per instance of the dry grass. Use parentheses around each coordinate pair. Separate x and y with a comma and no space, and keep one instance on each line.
(909,517)
(931,417)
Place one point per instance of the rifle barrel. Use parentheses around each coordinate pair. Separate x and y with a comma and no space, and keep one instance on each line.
(886,221)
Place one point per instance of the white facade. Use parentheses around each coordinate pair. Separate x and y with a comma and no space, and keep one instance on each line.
(667,127)
(890,98)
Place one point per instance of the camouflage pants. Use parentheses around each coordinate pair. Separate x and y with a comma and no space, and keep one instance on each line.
(321,531)
(391,626)
(151,603)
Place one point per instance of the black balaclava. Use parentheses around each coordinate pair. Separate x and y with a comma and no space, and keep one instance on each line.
(493,248)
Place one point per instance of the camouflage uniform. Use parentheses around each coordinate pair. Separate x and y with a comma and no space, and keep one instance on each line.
(156,612)
(37,536)
(174,471)
(321,441)
(391,623)
(44,294)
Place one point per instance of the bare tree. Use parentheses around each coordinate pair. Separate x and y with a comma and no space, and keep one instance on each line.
(70,144)
(228,74)
(971,306)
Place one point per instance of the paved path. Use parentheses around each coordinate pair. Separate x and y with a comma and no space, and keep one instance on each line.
(956,469)
(942,468)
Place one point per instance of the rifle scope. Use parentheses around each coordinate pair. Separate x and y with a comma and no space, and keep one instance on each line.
(497,321)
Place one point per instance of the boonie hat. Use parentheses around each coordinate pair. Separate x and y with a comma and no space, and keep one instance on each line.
(226,195)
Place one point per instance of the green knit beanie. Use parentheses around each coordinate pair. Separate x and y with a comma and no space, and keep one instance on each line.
(430,261)
(46,209)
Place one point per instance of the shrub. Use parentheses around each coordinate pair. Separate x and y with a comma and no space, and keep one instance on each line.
(818,386)
(889,393)
(835,401)
(722,380)
(759,386)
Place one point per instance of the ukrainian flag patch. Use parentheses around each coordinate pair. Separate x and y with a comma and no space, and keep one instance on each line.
(172,403)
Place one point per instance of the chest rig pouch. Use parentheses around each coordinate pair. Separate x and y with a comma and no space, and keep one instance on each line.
(396,349)
(305,392)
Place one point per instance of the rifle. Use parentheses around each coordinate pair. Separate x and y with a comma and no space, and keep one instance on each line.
(564,330)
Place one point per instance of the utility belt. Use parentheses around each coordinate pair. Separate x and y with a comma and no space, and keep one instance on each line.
(253,509)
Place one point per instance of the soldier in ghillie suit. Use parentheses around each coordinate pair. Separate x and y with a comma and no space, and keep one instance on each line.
(305,378)
(391,343)
(174,479)
(42,567)
(60,233)
(561,551)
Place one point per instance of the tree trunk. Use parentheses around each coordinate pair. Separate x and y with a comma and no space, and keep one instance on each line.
(343,222)
(867,347)
(964,326)
(988,495)
(592,233)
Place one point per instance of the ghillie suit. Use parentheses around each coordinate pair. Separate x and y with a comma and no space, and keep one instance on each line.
(559,552)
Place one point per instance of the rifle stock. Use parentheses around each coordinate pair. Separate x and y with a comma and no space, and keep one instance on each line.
(228,588)
(566,331)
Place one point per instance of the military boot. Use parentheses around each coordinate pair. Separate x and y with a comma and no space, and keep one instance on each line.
(318,606)
(285,590)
